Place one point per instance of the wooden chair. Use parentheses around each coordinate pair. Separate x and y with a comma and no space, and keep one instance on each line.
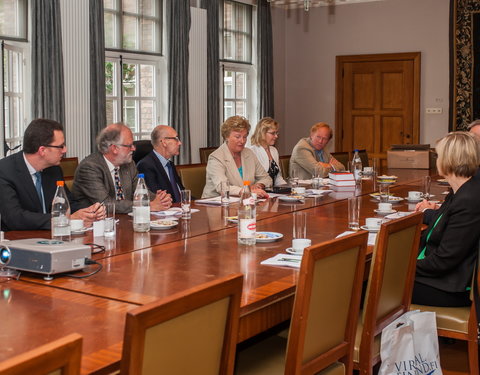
(390,286)
(194,177)
(142,148)
(285,166)
(343,157)
(192,332)
(61,356)
(364,158)
(325,314)
(205,152)
(69,166)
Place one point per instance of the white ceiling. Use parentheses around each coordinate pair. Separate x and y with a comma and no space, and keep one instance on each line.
(316,3)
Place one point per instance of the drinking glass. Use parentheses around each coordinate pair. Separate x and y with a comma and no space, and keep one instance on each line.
(384,192)
(354,212)
(317,177)
(186,196)
(299,225)
(224,188)
(427,180)
(293,179)
(109,226)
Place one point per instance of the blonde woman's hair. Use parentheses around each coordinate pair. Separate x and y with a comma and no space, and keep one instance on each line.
(234,123)
(458,154)
(319,125)
(264,125)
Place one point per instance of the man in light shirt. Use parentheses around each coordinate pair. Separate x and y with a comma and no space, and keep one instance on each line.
(28,180)
(111,175)
(157,166)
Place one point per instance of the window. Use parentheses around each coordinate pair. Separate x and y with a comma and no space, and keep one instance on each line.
(237,68)
(133,25)
(13,99)
(13,19)
(131,89)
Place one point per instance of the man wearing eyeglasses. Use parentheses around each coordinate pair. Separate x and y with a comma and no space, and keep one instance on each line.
(28,180)
(157,166)
(111,174)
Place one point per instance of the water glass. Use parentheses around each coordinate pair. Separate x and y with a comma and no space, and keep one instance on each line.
(299,225)
(293,179)
(427,180)
(354,204)
(384,192)
(186,197)
(109,226)
(224,188)
(317,177)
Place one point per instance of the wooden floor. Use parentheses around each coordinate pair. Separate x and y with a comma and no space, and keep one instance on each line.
(453,357)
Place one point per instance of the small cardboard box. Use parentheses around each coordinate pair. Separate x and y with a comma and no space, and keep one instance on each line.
(411,157)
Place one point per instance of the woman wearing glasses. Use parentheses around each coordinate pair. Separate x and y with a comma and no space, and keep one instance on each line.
(233,163)
(263,145)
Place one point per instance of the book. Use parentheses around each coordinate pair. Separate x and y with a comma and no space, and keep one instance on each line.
(343,183)
(340,176)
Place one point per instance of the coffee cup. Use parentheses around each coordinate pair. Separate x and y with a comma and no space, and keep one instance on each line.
(299,190)
(373,222)
(414,195)
(76,224)
(385,207)
(299,244)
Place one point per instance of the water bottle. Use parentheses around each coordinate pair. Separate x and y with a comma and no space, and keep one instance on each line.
(247,222)
(60,214)
(357,167)
(141,206)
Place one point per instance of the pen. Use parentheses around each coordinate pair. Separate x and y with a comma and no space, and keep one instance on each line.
(290,260)
(101,204)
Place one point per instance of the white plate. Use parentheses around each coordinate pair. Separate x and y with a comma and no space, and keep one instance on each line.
(413,200)
(80,231)
(291,251)
(391,198)
(290,198)
(270,236)
(398,215)
(232,219)
(372,230)
(163,224)
(385,212)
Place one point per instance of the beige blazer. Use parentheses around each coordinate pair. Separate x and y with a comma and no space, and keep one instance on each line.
(304,159)
(221,167)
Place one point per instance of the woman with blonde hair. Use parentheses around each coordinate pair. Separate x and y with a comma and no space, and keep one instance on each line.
(263,145)
(233,163)
(449,247)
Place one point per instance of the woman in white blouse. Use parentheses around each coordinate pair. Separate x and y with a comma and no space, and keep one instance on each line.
(263,141)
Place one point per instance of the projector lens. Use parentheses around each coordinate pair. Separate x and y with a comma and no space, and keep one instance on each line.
(5,255)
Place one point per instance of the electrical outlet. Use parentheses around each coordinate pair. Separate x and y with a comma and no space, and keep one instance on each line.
(434,111)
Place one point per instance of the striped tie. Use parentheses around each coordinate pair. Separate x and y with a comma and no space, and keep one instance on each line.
(118,186)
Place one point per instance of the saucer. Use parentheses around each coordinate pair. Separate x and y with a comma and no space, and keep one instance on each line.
(79,231)
(384,212)
(413,200)
(268,236)
(291,251)
(163,224)
(372,230)
(292,198)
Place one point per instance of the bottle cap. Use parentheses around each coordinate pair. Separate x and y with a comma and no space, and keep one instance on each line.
(356,150)
(60,183)
(246,182)
(141,175)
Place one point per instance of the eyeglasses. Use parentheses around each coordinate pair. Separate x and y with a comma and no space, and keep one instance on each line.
(122,145)
(176,138)
(274,133)
(60,147)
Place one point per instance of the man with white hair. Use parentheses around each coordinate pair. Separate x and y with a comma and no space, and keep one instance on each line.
(474,128)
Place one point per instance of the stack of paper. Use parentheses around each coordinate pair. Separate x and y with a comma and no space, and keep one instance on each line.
(216,200)
(286,260)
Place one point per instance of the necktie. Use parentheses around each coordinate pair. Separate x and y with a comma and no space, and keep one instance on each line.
(118,186)
(176,192)
(38,187)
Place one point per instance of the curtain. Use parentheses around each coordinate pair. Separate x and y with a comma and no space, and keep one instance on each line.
(265,60)
(98,117)
(48,99)
(213,81)
(178,18)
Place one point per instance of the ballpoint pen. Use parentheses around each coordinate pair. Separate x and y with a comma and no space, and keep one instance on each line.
(290,260)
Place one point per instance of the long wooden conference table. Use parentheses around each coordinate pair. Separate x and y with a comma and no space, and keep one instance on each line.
(139,268)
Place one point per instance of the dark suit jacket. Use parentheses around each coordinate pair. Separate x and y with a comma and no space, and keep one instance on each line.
(155,175)
(453,245)
(20,206)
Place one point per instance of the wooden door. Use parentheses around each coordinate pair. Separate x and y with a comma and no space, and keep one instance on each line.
(377,102)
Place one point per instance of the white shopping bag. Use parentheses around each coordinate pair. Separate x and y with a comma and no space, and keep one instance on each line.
(409,345)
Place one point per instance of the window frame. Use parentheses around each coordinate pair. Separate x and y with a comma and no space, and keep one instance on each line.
(22,23)
(250,35)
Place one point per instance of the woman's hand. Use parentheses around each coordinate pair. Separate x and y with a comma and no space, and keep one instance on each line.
(426,205)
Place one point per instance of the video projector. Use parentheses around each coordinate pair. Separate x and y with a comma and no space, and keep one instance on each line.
(43,256)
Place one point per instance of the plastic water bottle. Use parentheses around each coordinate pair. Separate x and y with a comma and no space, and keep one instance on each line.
(247,221)
(357,167)
(141,206)
(60,214)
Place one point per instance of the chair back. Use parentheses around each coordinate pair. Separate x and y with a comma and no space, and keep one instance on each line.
(194,177)
(142,148)
(69,166)
(363,157)
(390,283)
(192,332)
(326,306)
(205,153)
(343,157)
(60,357)
(285,165)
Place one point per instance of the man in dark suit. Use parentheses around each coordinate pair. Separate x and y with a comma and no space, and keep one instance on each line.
(28,180)
(160,172)
(111,175)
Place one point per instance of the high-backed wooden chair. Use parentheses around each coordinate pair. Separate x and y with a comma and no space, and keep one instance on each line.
(285,165)
(343,157)
(390,286)
(193,177)
(192,332)
(60,357)
(364,158)
(205,152)
(325,313)
(69,166)
(142,148)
